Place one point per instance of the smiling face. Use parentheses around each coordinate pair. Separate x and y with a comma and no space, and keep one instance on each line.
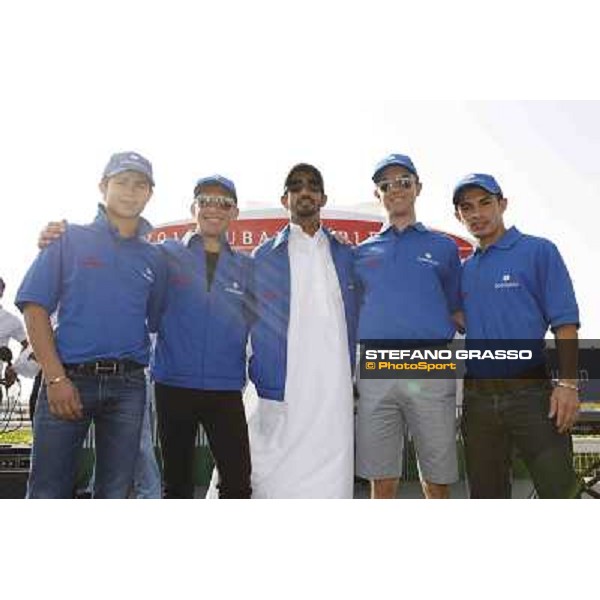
(481,213)
(126,195)
(397,189)
(304,196)
(212,211)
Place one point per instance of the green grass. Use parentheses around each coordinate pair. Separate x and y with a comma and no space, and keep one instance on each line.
(19,437)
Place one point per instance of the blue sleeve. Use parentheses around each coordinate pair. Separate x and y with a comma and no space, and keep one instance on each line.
(157,300)
(559,303)
(359,288)
(355,298)
(451,280)
(249,298)
(42,283)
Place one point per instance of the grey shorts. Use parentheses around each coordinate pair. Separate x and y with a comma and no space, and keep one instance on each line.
(387,407)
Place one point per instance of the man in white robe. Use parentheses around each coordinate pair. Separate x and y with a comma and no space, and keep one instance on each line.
(302,446)
(302,429)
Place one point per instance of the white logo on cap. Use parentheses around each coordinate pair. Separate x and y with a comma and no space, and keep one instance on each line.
(506,278)
(134,157)
(427,255)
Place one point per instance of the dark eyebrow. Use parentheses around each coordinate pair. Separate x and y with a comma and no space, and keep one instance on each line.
(486,197)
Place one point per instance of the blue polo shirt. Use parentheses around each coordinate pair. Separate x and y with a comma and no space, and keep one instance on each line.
(201,342)
(514,290)
(410,285)
(108,290)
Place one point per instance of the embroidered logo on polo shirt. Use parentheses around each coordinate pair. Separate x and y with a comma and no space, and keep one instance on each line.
(428,258)
(234,288)
(507,283)
(92,262)
(148,274)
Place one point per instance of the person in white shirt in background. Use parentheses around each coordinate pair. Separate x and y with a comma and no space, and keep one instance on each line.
(11,327)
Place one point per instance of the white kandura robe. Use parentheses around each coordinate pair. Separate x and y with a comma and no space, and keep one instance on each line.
(303,447)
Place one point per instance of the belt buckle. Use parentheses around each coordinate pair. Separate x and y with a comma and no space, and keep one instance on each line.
(101,369)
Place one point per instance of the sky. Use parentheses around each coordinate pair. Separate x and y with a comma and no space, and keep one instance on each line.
(247,90)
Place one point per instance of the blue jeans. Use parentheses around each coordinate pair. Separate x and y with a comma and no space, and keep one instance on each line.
(496,422)
(146,476)
(115,403)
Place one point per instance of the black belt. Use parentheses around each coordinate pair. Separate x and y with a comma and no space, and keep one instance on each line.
(526,378)
(104,367)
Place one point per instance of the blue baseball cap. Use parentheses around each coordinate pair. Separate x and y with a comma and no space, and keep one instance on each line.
(128,161)
(399,160)
(481,180)
(216,180)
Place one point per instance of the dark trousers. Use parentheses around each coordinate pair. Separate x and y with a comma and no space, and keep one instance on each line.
(221,414)
(495,423)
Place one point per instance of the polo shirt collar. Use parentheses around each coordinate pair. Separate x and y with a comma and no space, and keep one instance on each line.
(102,222)
(510,237)
(417,226)
(194,236)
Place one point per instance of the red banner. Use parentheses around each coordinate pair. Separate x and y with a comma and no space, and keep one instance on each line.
(249,231)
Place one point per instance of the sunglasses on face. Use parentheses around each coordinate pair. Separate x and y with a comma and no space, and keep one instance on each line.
(296,185)
(221,202)
(402,183)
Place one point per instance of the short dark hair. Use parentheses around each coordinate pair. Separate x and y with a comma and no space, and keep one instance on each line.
(2,284)
(307,168)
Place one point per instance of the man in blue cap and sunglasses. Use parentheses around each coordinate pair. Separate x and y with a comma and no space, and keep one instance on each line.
(199,364)
(409,278)
(515,286)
